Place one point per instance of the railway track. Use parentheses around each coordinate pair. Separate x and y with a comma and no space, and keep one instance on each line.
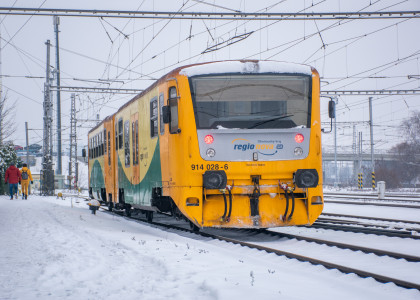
(406,201)
(329,265)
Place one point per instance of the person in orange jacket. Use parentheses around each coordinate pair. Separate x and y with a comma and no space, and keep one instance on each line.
(26,176)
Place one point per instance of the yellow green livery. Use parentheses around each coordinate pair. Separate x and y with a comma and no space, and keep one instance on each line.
(231,144)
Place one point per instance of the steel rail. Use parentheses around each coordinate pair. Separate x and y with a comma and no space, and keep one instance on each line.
(371,218)
(385,232)
(372,203)
(366,225)
(387,195)
(374,197)
(207,15)
(378,252)
(328,265)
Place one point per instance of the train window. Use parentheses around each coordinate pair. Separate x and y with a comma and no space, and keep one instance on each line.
(120,133)
(134,136)
(104,145)
(95,149)
(101,148)
(173,103)
(161,104)
(116,137)
(153,117)
(127,142)
(252,101)
(97,145)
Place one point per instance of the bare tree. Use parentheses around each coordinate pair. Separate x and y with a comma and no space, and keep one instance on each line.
(7,119)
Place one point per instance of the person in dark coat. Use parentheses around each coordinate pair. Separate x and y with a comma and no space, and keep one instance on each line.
(13,177)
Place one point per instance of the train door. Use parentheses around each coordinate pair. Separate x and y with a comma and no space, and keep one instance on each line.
(118,127)
(135,175)
(168,139)
(109,161)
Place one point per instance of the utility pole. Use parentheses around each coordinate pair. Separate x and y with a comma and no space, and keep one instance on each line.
(360,150)
(57,67)
(47,173)
(371,144)
(73,165)
(27,143)
(335,149)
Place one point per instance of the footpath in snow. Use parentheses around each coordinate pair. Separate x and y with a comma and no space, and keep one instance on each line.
(56,249)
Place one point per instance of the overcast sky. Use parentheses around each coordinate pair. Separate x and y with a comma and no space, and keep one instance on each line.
(351,55)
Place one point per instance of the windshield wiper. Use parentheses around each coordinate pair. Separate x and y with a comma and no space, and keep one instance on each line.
(269,120)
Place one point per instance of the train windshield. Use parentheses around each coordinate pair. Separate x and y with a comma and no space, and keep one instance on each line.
(251,101)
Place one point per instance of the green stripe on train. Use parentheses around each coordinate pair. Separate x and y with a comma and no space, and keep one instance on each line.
(96,176)
(141,194)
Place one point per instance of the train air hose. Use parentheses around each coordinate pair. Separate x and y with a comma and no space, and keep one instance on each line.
(230,205)
(293,206)
(225,200)
(287,204)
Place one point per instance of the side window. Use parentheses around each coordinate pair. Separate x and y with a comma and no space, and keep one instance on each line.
(153,117)
(95,154)
(173,103)
(120,133)
(109,148)
(134,136)
(104,145)
(116,137)
(127,142)
(101,148)
(161,104)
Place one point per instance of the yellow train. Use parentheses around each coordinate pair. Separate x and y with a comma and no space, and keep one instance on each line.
(232,144)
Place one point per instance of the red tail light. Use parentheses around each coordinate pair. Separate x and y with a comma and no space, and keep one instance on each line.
(299,138)
(208,139)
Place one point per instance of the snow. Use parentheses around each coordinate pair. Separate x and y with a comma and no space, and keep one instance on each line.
(245,67)
(53,248)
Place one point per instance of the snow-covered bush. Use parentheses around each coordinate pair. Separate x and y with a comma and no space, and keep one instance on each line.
(7,156)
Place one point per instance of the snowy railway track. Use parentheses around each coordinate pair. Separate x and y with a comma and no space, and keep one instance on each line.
(360,227)
(405,201)
(388,197)
(410,259)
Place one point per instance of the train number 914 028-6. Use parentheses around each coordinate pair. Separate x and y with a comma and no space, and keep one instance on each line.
(209,167)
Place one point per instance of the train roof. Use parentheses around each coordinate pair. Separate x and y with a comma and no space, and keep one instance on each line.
(224,67)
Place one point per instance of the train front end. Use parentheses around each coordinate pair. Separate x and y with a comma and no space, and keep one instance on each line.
(254,156)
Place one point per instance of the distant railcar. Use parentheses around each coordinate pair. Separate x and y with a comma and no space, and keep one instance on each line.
(232,144)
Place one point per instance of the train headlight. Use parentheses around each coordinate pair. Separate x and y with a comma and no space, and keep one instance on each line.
(298,151)
(214,180)
(306,178)
(211,152)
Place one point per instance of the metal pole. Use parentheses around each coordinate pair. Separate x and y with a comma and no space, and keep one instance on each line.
(47,173)
(335,151)
(371,143)
(57,56)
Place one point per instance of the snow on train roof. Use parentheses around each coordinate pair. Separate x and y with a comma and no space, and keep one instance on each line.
(245,67)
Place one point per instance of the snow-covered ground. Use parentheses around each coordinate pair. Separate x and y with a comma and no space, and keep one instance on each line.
(56,249)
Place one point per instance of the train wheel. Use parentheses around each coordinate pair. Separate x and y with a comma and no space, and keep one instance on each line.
(128,210)
(194,227)
(149,216)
